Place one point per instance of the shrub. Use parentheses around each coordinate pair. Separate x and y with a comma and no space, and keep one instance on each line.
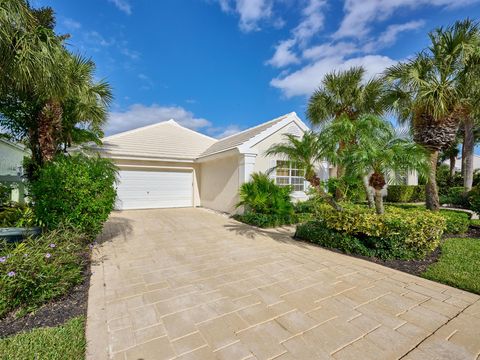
(75,191)
(402,234)
(40,269)
(456,222)
(17,216)
(405,193)
(455,196)
(261,196)
(474,199)
(266,220)
(318,233)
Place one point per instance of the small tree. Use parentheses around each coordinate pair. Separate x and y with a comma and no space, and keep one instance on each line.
(306,152)
(378,151)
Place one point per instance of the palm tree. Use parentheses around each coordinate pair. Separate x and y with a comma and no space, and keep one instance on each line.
(379,152)
(47,95)
(345,93)
(306,152)
(426,92)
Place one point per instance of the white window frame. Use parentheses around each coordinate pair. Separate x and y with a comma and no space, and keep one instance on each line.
(297,182)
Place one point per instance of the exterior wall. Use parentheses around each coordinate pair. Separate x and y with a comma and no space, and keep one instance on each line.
(132,164)
(219,183)
(265,163)
(11,170)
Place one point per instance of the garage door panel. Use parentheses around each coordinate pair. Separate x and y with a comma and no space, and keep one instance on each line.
(140,189)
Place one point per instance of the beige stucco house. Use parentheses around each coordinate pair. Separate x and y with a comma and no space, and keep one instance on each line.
(167,165)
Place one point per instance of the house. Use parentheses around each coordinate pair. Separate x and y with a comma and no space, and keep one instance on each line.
(11,168)
(458,163)
(167,165)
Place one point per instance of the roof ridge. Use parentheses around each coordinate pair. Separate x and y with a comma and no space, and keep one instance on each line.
(256,126)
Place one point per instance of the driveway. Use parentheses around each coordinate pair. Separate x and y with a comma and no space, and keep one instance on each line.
(192,284)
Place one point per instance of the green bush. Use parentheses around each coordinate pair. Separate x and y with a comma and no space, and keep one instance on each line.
(76,191)
(17,216)
(318,233)
(5,193)
(265,203)
(405,193)
(39,269)
(474,199)
(456,222)
(401,234)
(455,196)
(445,181)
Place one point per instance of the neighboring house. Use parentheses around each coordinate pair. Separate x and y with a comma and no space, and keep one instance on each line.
(167,165)
(11,169)
(458,163)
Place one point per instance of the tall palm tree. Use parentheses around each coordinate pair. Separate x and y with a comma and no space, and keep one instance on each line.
(426,93)
(306,152)
(345,93)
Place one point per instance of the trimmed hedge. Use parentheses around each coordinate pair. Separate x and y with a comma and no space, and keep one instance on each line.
(405,193)
(456,222)
(398,234)
(318,233)
(272,220)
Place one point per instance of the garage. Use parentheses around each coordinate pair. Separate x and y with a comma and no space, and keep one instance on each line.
(153,188)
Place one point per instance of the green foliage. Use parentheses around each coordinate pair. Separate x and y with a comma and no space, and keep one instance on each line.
(318,233)
(66,341)
(266,220)
(262,196)
(445,181)
(5,193)
(18,216)
(75,191)
(474,199)
(405,193)
(456,222)
(455,196)
(458,264)
(351,187)
(39,269)
(402,234)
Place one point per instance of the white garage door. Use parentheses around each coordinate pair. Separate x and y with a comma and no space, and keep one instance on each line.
(154,189)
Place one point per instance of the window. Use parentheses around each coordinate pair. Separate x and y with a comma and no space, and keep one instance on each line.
(289,173)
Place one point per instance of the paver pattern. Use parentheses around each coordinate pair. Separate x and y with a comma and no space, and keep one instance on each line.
(192,284)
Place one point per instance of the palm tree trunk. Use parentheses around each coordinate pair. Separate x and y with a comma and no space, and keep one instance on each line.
(370,197)
(468,150)
(339,195)
(49,129)
(314,181)
(452,160)
(379,202)
(431,190)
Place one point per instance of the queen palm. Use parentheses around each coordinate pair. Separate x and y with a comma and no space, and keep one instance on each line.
(346,93)
(426,92)
(379,152)
(306,152)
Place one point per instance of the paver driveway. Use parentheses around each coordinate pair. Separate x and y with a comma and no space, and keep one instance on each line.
(191,284)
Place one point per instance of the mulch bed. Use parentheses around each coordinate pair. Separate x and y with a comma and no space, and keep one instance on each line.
(54,313)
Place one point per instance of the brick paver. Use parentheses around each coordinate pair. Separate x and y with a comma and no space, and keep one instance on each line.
(191,284)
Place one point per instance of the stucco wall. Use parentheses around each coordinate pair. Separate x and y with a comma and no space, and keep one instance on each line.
(219,184)
(10,159)
(133,164)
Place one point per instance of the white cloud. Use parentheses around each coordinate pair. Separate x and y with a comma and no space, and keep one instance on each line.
(360,15)
(311,23)
(389,36)
(138,115)
(329,50)
(132,54)
(283,54)
(122,5)
(71,24)
(251,12)
(308,78)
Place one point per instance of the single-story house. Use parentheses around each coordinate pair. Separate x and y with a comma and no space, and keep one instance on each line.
(11,167)
(167,165)
(458,163)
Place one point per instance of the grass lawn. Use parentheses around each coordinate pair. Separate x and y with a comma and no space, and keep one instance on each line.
(459,264)
(62,342)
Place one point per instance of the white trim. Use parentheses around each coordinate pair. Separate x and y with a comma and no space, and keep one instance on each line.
(217,155)
(146,158)
(246,166)
(16,146)
(160,167)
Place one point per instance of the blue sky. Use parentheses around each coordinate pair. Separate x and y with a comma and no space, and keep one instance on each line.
(219,66)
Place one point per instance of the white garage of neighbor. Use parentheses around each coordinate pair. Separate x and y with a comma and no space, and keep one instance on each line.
(166,165)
